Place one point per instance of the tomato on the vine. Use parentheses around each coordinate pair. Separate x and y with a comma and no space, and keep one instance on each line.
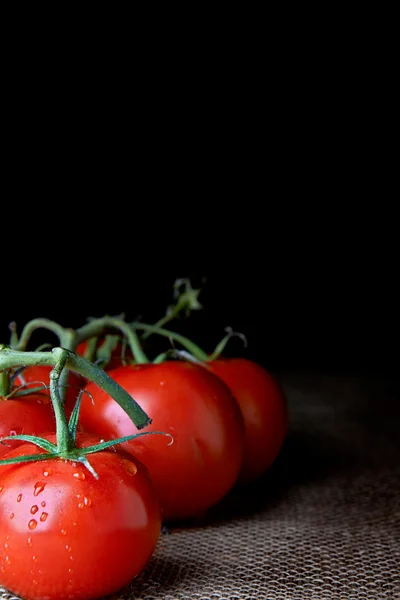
(263,406)
(40,374)
(31,415)
(65,534)
(202,464)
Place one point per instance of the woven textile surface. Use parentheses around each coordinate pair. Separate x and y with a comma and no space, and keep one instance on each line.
(323,524)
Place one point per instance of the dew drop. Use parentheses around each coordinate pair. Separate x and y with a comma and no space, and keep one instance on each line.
(81,505)
(30,542)
(43,504)
(74,523)
(32,524)
(34,581)
(11,515)
(19,497)
(68,548)
(1,488)
(130,467)
(87,501)
(34,509)
(47,472)
(2,569)
(38,488)
(34,558)
(44,516)
(63,532)
(71,558)
(73,464)
(70,570)
(6,545)
(80,476)
(8,560)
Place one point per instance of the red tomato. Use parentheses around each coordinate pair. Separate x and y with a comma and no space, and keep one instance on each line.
(31,415)
(198,410)
(264,410)
(41,374)
(65,534)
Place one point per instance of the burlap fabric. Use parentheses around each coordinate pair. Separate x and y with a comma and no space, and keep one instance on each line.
(324,524)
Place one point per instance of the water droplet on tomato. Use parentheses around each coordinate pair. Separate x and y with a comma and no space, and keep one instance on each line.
(87,501)
(43,504)
(38,488)
(34,581)
(43,516)
(30,542)
(80,505)
(34,509)
(32,524)
(19,497)
(8,560)
(73,463)
(6,546)
(11,515)
(1,488)
(71,558)
(79,475)
(68,548)
(130,467)
(70,570)
(47,472)
(34,558)
(63,532)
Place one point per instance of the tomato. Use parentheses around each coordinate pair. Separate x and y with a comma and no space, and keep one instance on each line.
(35,376)
(65,534)
(31,415)
(264,410)
(198,410)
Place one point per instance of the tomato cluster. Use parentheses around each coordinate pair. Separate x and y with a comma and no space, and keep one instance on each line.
(65,533)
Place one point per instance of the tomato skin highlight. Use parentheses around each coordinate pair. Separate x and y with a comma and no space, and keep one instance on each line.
(64,534)
(264,409)
(202,464)
(30,415)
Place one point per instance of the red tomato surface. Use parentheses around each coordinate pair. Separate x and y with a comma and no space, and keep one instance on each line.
(41,374)
(264,410)
(31,415)
(65,534)
(198,410)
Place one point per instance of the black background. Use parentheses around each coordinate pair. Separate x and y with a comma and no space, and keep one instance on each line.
(311,287)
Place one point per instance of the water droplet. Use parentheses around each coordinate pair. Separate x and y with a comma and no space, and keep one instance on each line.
(130,467)
(47,472)
(6,546)
(43,504)
(78,495)
(30,542)
(2,569)
(43,516)
(32,524)
(38,488)
(34,558)
(73,464)
(1,488)
(70,570)
(68,548)
(87,501)
(19,497)
(162,382)
(8,560)
(34,509)
(63,532)
(71,558)
(81,505)
(34,581)
(74,523)
(79,475)
(11,515)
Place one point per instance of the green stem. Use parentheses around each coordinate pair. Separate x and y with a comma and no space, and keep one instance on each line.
(66,337)
(4,383)
(64,438)
(177,337)
(97,327)
(13,358)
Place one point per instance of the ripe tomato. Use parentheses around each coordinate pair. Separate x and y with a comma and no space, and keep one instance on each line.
(264,410)
(41,374)
(65,534)
(31,415)
(198,410)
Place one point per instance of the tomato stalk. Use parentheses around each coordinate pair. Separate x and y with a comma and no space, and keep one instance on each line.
(193,348)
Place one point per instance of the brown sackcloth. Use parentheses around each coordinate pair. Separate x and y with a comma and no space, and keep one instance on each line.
(324,524)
